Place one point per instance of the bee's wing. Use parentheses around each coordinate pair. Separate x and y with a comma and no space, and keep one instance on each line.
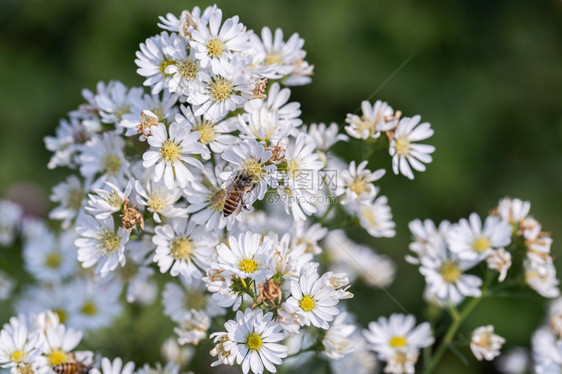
(238,208)
(220,195)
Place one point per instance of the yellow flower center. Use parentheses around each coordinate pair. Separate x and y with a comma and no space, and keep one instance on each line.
(170,151)
(481,244)
(195,299)
(163,65)
(364,124)
(53,260)
(112,164)
(114,200)
(358,186)
(248,265)
(110,241)
(206,130)
(61,313)
(156,202)
(450,271)
(293,167)
(17,356)
(57,357)
(89,307)
(181,248)
(367,213)
(306,303)
(215,47)
(254,342)
(397,342)
(273,58)
(188,69)
(402,146)
(74,198)
(253,169)
(221,89)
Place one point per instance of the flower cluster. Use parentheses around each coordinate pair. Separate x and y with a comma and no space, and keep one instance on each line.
(40,343)
(509,241)
(209,195)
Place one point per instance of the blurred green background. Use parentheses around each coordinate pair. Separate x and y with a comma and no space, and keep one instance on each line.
(486,74)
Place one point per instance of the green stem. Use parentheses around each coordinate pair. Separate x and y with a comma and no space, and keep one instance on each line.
(451,332)
(326,213)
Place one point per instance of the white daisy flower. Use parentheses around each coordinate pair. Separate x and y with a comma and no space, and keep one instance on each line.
(445,278)
(214,135)
(59,343)
(514,361)
(308,235)
(193,327)
(170,368)
(206,201)
(182,248)
(376,217)
(225,349)
(256,336)
(222,92)
(159,200)
(171,155)
(271,50)
(36,299)
(222,288)
(513,210)
(173,353)
(215,44)
(7,286)
(538,249)
(10,220)
(185,74)
(301,75)
(99,243)
(302,182)
(105,202)
(246,256)
(251,158)
(271,119)
(324,138)
(358,361)
(190,295)
(547,352)
(427,237)
(542,278)
(115,367)
(163,106)
(337,342)
(115,100)
(374,119)
(407,154)
(472,241)
(484,344)
(51,257)
(314,296)
(155,56)
(499,260)
(104,156)
(93,305)
(70,194)
(19,346)
(65,144)
(398,333)
(356,183)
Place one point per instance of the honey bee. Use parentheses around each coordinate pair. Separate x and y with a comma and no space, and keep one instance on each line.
(72,367)
(233,195)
